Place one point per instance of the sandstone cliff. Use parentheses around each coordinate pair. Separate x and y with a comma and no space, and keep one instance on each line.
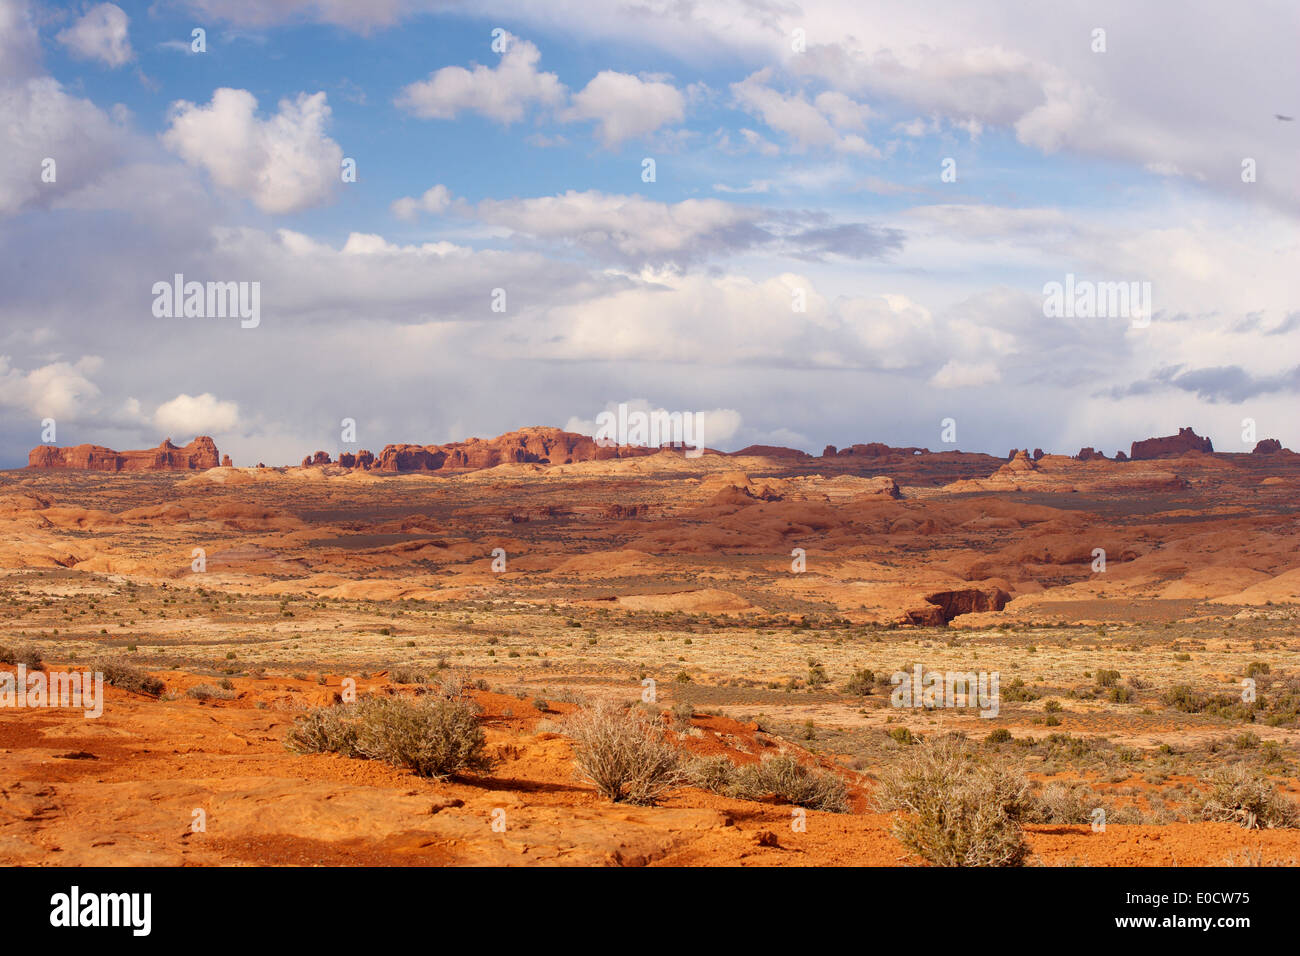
(1171,446)
(198,455)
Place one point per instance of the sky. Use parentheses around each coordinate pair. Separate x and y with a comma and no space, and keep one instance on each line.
(809,222)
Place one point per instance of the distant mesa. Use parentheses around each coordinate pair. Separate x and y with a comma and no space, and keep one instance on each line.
(198,455)
(533,445)
(1089,453)
(873,449)
(1268,446)
(1171,446)
(770,451)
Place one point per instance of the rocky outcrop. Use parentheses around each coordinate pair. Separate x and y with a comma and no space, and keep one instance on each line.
(198,455)
(943,606)
(1170,446)
(1267,446)
(873,449)
(226,462)
(552,446)
(1089,453)
(770,451)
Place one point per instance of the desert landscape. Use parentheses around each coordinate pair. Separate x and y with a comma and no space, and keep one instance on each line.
(731,626)
(653,434)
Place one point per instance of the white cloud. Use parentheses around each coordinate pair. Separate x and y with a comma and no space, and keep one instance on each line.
(636,230)
(40,122)
(435,200)
(58,390)
(51,144)
(361,17)
(808,125)
(501,93)
(19,46)
(101,34)
(625,106)
(283,164)
(189,415)
(712,427)
(958,374)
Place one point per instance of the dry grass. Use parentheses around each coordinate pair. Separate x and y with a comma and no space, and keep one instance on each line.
(624,753)
(1247,798)
(954,810)
(431,738)
(783,777)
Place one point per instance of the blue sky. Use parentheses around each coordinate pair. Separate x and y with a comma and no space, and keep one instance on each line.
(777,170)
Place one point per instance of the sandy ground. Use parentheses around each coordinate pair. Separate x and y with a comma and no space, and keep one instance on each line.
(683,572)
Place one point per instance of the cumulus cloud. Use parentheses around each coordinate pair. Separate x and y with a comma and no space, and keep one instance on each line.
(51,144)
(636,230)
(712,427)
(349,14)
(625,106)
(190,415)
(59,390)
(283,163)
(816,124)
(100,34)
(19,49)
(958,374)
(435,200)
(501,93)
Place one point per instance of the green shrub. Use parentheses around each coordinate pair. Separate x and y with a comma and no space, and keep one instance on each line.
(861,683)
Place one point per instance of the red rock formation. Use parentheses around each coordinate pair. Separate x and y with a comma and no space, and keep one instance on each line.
(198,455)
(537,445)
(1090,454)
(226,462)
(1267,446)
(1170,446)
(943,606)
(773,451)
(873,449)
